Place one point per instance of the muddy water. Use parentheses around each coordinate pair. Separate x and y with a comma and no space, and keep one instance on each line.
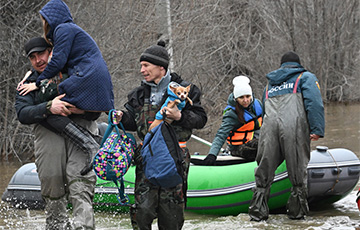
(342,130)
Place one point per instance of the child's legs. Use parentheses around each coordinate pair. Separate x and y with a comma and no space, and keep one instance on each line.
(77,134)
(58,122)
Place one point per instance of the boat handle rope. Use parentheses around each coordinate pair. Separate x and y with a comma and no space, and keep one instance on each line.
(338,171)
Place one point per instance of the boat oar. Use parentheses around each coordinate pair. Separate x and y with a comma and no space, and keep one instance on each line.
(204,141)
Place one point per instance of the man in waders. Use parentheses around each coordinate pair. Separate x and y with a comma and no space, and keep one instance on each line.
(293,116)
(152,201)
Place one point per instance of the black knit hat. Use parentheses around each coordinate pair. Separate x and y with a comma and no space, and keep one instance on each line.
(37,44)
(157,55)
(290,57)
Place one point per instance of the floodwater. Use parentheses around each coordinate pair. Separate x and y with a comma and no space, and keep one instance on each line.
(342,131)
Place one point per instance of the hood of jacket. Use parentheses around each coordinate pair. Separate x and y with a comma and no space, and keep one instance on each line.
(55,13)
(171,93)
(231,100)
(285,72)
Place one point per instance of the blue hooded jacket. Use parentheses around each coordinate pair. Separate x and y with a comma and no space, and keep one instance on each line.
(89,85)
(282,81)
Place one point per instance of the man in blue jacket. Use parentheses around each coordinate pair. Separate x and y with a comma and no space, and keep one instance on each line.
(293,116)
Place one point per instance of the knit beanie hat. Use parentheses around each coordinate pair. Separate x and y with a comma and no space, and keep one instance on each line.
(157,55)
(241,86)
(290,57)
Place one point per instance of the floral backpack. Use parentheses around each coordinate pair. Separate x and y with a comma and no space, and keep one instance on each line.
(114,157)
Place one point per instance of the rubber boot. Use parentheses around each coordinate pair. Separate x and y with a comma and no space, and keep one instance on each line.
(83,139)
(133,217)
(259,209)
(297,206)
(56,214)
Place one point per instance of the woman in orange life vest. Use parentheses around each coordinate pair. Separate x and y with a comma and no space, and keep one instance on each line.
(242,119)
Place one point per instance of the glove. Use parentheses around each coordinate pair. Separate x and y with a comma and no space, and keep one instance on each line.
(210,159)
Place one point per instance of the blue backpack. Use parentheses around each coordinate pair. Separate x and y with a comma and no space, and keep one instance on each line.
(162,156)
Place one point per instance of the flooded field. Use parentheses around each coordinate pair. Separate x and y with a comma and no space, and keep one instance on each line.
(342,130)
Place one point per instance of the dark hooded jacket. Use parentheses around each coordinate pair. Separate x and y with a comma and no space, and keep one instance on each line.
(89,85)
(282,81)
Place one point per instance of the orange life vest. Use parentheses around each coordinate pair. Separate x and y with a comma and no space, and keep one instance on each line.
(246,132)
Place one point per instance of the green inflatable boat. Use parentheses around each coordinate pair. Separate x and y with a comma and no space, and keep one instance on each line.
(224,189)
(218,190)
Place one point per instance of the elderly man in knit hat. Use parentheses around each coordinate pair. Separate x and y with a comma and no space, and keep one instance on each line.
(151,201)
(293,116)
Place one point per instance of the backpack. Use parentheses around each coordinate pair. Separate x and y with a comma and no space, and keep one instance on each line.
(114,157)
(162,157)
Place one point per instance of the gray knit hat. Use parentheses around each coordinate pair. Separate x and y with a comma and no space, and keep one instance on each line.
(157,55)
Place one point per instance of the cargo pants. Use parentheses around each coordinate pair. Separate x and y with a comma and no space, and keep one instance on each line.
(59,163)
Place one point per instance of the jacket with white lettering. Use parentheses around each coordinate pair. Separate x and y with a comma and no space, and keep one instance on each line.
(282,81)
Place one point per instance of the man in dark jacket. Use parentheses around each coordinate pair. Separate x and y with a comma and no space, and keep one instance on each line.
(58,160)
(293,116)
(167,204)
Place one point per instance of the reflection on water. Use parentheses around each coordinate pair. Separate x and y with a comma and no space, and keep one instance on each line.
(342,127)
(341,215)
(342,130)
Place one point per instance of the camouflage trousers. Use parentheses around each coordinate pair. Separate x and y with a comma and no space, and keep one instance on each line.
(151,201)
(247,150)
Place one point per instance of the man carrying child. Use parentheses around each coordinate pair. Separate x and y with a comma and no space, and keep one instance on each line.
(58,160)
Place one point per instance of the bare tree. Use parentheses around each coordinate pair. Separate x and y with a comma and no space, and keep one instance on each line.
(18,23)
(212,41)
